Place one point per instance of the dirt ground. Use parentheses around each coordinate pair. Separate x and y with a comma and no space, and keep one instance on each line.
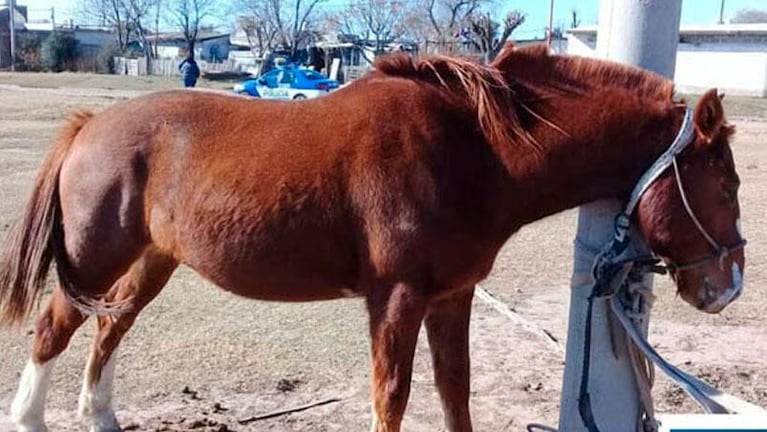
(204,360)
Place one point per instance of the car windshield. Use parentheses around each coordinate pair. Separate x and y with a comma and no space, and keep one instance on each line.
(313,76)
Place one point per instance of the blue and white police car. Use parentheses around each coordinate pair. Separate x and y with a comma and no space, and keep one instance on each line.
(288,83)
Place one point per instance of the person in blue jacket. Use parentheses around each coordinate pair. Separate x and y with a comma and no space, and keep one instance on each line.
(189,71)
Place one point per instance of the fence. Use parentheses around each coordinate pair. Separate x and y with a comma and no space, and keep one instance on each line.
(166,67)
(169,67)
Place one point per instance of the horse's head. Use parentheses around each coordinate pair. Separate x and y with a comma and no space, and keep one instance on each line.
(691,218)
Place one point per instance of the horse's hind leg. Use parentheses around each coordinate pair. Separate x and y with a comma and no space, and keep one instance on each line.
(447,326)
(54,328)
(145,279)
(395,318)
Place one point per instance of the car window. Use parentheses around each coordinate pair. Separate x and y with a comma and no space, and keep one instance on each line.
(270,78)
(286,77)
(271,74)
(313,76)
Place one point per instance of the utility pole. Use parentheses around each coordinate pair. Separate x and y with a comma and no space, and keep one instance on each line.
(53,18)
(721,13)
(643,33)
(551,23)
(12,28)
(157,29)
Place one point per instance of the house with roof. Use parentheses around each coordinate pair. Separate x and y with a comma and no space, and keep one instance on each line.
(730,57)
(210,46)
(90,38)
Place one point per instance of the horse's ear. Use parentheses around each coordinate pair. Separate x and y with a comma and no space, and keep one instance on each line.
(709,116)
(504,54)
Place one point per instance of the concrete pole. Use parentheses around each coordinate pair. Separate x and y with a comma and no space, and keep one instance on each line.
(12,28)
(550,36)
(644,33)
(721,13)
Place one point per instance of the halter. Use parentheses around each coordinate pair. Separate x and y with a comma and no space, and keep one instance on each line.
(607,267)
(721,251)
(623,221)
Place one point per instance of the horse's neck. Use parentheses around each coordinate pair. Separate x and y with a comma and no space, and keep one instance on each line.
(576,170)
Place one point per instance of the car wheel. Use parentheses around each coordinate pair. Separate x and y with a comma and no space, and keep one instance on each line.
(299,97)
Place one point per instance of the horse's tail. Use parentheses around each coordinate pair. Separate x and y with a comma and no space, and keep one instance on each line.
(31,243)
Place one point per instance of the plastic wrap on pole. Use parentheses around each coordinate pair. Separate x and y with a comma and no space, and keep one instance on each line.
(614,399)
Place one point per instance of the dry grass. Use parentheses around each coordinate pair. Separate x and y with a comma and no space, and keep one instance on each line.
(100,81)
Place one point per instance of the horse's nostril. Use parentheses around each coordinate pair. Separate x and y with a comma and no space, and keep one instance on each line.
(710,291)
(715,299)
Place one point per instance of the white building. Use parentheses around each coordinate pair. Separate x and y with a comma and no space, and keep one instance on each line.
(730,57)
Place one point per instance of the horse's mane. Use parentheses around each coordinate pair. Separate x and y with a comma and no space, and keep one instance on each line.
(535,66)
(485,88)
(494,90)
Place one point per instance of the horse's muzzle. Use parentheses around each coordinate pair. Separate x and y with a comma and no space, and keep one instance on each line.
(714,300)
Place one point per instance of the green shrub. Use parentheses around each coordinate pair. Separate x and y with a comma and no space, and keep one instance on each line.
(105,59)
(28,52)
(59,52)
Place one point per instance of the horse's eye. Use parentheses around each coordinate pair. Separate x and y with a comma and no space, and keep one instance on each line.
(730,190)
(715,162)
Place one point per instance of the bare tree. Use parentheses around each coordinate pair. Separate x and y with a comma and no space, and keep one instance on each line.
(575,19)
(486,34)
(293,21)
(110,13)
(416,25)
(188,16)
(129,18)
(448,24)
(257,23)
(448,16)
(260,33)
(138,16)
(287,24)
(746,16)
(379,21)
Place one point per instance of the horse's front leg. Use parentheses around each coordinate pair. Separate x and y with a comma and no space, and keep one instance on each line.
(447,325)
(396,312)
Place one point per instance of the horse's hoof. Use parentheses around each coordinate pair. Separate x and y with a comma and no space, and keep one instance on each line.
(105,423)
(32,428)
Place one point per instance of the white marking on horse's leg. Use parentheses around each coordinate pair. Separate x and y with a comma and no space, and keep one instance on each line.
(738,228)
(349,293)
(375,422)
(95,404)
(28,407)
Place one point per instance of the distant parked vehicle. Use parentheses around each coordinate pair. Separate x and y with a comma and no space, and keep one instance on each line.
(288,83)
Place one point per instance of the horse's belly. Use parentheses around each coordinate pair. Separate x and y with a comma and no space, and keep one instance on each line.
(280,285)
(280,273)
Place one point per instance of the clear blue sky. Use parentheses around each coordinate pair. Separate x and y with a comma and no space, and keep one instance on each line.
(693,11)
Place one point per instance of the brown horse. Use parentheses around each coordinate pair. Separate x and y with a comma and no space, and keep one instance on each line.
(402,192)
